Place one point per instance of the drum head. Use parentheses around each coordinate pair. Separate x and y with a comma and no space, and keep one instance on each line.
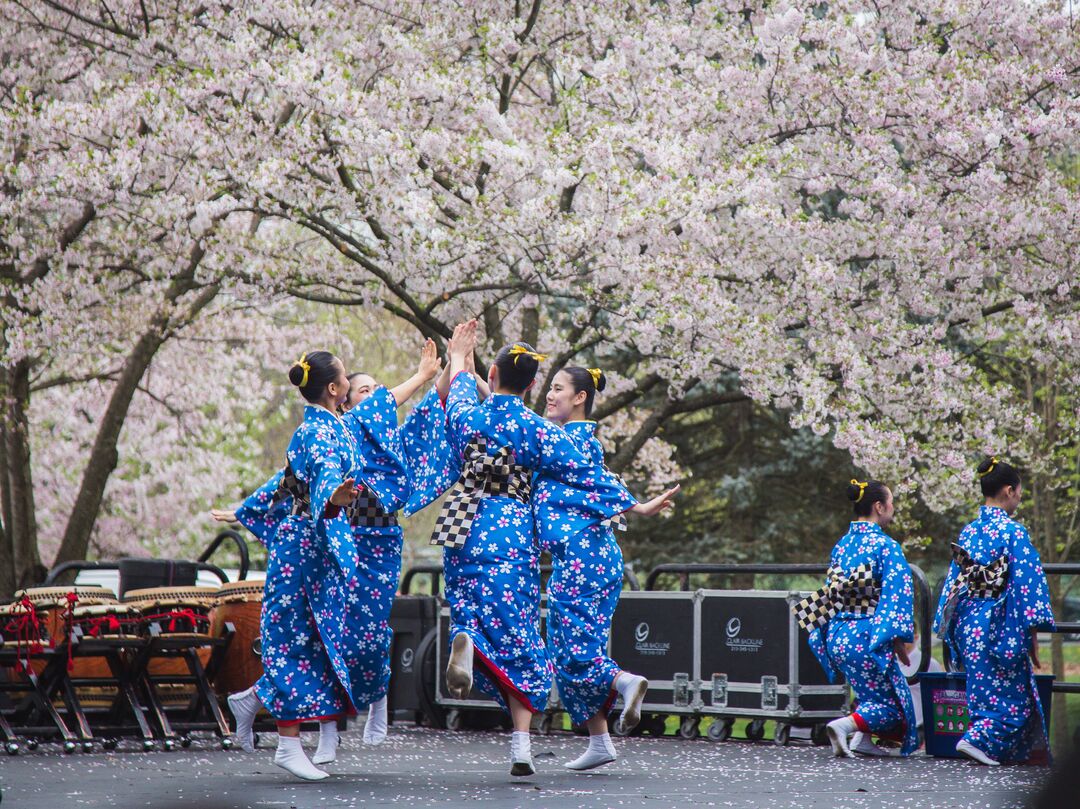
(53,596)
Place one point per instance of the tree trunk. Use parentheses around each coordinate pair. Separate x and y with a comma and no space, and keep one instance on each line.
(103,455)
(20,529)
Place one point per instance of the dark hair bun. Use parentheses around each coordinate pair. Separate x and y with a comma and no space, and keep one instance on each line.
(986,465)
(853,492)
(601,381)
(296,374)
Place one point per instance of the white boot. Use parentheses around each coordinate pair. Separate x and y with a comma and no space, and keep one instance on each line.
(975,754)
(328,743)
(521,761)
(600,752)
(290,756)
(632,689)
(459,667)
(839,730)
(375,727)
(244,706)
(862,744)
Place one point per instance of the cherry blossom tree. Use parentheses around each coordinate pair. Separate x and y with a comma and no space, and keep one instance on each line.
(863,214)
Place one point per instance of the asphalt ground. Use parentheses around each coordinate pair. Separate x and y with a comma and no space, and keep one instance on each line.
(418,767)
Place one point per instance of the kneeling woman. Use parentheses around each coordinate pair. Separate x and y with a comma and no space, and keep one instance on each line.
(486,525)
(994,600)
(311,560)
(859,623)
(586,579)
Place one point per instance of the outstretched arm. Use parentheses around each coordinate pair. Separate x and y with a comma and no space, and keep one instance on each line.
(430,365)
(661,502)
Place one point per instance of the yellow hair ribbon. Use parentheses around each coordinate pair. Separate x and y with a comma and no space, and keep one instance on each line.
(989,469)
(595,373)
(517,351)
(302,362)
(862,488)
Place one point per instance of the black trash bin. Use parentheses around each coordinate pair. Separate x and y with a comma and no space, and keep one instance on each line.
(411,618)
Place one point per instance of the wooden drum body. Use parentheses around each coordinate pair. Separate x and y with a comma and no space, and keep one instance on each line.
(54,607)
(178,612)
(240,604)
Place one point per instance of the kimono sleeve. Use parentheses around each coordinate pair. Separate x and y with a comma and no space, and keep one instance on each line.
(425,449)
(463,398)
(324,466)
(940,617)
(893,617)
(1028,600)
(373,423)
(591,489)
(262,511)
(816,637)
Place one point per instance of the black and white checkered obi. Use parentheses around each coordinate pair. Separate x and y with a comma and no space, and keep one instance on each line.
(855,592)
(365,510)
(982,581)
(482,475)
(618,522)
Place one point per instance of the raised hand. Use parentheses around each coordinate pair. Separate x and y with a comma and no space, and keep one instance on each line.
(463,343)
(345,493)
(430,364)
(662,502)
(223,515)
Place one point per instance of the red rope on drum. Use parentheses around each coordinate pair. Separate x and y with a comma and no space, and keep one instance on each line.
(176,615)
(69,614)
(27,629)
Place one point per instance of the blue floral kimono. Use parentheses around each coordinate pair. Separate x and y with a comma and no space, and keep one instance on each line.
(311,560)
(396,478)
(859,647)
(493,579)
(262,512)
(992,635)
(585,584)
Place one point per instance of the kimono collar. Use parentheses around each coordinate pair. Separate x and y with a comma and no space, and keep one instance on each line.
(993,513)
(314,412)
(505,401)
(584,427)
(862,527)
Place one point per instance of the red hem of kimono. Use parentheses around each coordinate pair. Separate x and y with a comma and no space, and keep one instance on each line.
(334,717)
(502,682)
(609,703)
(860,723)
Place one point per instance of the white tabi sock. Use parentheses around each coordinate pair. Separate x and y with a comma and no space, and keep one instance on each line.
(459,677)
(521,762)
(290,756)
(632,688)
(975,754)
(328,743)
(601,751)
(839,730)
(862,744)
(375,727)
(244,706)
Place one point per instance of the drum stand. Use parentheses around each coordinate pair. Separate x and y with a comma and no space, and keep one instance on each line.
(118,654)
(203,712)
(33,711)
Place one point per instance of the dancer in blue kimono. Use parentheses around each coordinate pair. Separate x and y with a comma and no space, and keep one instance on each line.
(311,562)
(859,623)
(994,602)
(586,579)
(402,467)
(490,559)
(390,476)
